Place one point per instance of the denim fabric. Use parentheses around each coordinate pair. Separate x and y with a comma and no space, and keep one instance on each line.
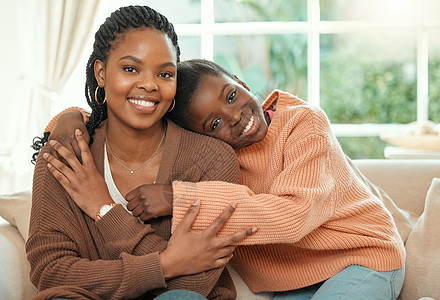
(180,295)
(354,282)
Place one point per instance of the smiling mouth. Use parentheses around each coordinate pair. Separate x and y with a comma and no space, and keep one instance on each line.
(249,125)
(142,103)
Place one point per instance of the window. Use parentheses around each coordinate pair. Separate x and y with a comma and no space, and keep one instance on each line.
(372,65)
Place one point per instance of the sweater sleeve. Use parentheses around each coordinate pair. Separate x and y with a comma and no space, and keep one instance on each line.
(297,201)
(60,252)
(124,234)
(219,163)
(59,244)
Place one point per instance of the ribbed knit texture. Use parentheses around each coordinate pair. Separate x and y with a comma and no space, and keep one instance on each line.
(314,215)
(117,257)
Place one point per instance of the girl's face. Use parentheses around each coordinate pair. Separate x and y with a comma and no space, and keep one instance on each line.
(139,78)
(222,108)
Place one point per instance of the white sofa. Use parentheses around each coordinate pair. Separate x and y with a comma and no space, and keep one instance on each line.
(407,182)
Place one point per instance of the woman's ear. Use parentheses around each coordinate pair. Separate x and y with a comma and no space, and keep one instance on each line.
(99,69)
(242,83)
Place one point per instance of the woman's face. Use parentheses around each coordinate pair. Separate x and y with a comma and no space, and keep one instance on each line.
(222,108)
(139,78)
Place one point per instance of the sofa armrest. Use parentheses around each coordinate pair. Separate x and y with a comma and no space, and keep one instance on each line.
(14,267)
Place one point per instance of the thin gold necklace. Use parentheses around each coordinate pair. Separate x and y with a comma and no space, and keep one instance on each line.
(144,163)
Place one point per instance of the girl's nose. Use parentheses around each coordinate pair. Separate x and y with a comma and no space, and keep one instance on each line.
(235,116)
(148,83)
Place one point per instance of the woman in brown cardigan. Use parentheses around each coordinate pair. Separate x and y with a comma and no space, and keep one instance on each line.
(83,243)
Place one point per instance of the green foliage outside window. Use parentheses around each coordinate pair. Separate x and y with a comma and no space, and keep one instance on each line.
(353,90)
(434,89)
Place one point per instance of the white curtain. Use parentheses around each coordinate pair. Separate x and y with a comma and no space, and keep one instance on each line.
(53,35)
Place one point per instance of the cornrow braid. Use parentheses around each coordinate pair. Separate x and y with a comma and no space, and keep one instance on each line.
(106,39)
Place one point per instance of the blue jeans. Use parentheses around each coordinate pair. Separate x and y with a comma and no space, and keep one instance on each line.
(180,295)
(354,282)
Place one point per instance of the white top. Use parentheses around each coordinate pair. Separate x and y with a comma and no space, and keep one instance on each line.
(113,190)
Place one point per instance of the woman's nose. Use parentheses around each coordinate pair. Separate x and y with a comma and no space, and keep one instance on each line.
(147,82)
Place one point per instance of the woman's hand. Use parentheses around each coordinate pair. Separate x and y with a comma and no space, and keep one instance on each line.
(64,132)
(81,180)
(191,252)
(151,201)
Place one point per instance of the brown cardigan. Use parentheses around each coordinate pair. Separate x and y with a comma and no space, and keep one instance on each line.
(117,257)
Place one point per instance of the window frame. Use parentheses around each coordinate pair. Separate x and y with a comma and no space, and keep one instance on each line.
(313,27)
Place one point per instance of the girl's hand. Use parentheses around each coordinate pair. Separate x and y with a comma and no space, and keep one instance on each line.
(151,201)
(191,252)
(64,132)
(81,180)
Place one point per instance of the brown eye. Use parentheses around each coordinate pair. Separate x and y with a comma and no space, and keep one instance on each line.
(166,75)
(129,69)
(215,124)
(231,97)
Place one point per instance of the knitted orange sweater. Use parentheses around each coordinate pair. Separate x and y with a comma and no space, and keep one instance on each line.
(314,215)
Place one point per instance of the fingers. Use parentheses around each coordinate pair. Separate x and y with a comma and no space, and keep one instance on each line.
(189,217)
(221,220)
(57,165)
(131,195)
(137,211)
(225,251)
(234,238)
(83,147)
(55,170)
(65,153)
(74,148)
(86,135)
(67,141)
(132,205)
(222,261)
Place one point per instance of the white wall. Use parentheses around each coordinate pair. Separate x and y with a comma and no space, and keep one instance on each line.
(16,45)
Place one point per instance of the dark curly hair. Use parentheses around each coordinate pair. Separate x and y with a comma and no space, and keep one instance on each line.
(106,37)
(189,75)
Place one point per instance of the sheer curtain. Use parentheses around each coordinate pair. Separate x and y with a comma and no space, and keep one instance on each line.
(53,34)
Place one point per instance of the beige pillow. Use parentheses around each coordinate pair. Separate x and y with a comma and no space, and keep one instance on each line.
(16,209)
(422,277)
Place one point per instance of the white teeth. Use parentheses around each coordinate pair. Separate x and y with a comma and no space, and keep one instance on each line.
(249,125)
(142,103)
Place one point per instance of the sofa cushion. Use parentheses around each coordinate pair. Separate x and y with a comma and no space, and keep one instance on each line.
(423,250)
(14,267)
(16,208)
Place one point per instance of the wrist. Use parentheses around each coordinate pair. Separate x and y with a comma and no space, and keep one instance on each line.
(166,266)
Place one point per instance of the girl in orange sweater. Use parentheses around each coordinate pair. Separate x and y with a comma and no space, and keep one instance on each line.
(322,233)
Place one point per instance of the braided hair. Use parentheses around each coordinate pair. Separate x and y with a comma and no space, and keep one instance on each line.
(106,37)
(189,75)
